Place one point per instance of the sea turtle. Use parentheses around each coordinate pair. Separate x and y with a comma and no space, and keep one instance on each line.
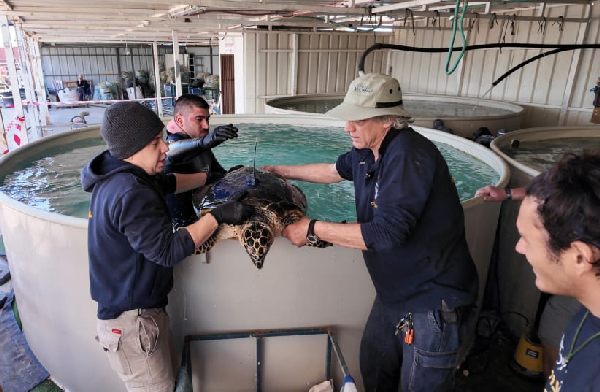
(276,202)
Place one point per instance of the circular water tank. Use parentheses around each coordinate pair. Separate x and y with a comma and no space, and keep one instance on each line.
(544,145)
(463,116)
(223,291)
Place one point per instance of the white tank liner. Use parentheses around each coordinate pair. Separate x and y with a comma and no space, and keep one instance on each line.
(296,288)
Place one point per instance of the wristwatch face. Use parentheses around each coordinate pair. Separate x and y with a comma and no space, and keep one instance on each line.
(312,239)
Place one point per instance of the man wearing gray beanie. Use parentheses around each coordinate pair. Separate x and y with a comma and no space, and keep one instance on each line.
(132,247)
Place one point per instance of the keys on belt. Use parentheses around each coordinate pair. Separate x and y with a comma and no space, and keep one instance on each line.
(405,325)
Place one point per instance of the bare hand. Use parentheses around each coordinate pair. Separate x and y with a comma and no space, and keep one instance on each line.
(296,232)
(491,193)
(269,168)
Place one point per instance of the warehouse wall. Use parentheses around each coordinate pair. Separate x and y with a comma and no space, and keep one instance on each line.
(554,90)
(101,63)
(284,63)
(97,63)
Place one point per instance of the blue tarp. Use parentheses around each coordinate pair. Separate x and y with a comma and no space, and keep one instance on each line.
(20,371)
(4,272)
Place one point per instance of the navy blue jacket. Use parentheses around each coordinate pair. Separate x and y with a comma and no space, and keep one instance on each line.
(180,205)
(577,367)
(412,223)
(131,244)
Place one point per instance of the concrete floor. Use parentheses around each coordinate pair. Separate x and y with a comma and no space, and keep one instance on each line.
(488,368)
(60,118)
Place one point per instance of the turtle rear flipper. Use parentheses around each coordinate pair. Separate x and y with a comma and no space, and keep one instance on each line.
(257,238)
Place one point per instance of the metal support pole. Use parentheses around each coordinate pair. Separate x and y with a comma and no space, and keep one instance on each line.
(210,50)
(574,69)
(133,74)
(38,73)
(10,63)
(12,72)
(33,118)
(259,362)
(340,357)
(178,87)
(294,65)
(328,358)
(120,71)
(158,93)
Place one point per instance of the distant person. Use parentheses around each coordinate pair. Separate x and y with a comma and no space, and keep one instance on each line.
(191,142)
(558,310)
(560,237)
(411,231)
(83,88)
(132,246)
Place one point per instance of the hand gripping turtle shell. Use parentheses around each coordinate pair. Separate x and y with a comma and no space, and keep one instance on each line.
(276,203)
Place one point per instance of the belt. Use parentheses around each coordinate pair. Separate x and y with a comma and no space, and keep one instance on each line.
(140,311)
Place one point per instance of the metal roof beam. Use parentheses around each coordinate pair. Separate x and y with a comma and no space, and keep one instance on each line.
(403,5)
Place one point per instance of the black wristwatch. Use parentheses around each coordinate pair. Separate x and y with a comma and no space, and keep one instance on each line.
(508,192)
(312,239)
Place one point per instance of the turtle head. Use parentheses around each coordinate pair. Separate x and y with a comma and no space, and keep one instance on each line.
(257,238)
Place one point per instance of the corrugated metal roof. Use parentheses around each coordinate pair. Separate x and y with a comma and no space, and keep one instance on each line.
(79,21)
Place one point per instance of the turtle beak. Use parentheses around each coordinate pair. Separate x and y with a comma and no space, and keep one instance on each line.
(259,262)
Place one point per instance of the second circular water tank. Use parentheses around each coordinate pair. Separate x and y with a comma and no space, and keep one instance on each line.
(461,115)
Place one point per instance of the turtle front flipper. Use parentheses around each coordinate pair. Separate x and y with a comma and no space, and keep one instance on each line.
(257,238)
(208,244)
(292,216)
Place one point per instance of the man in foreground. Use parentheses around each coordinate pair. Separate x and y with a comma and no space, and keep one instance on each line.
(560,237)
(558,309)
(132,246)
(411,231)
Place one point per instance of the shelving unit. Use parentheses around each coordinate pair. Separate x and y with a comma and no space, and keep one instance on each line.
(195,65)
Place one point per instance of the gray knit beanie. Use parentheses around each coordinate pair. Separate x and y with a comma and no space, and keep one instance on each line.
(127,127)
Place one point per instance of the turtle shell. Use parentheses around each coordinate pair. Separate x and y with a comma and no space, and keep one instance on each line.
(276,203)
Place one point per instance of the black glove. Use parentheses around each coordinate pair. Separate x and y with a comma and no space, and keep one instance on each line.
(219,135)
(233,168)
(180,150)
(232,213)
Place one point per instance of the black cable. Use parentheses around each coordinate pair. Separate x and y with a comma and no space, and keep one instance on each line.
(555,49)
(524,63)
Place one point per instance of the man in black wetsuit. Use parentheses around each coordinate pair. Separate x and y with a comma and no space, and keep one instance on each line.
(190,144)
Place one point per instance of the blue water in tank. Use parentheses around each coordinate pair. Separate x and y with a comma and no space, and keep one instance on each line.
(51,182)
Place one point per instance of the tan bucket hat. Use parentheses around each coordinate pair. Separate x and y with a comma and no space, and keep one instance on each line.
(371,95)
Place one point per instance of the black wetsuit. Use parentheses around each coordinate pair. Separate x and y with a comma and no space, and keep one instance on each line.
(180,205)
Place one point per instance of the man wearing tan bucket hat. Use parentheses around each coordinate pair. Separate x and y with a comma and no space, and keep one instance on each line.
(411,231)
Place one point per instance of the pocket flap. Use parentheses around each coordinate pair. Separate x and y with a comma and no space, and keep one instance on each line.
(109,339)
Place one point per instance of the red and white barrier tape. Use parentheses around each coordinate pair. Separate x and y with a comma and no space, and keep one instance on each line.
(73,103)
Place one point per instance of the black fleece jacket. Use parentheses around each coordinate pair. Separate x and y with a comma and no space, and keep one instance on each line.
(131,244)
(412,223)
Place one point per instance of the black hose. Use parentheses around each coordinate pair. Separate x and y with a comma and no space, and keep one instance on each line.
(524,63)
(555,49)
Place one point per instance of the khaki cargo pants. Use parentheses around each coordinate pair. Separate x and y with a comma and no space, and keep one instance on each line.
(137,344)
